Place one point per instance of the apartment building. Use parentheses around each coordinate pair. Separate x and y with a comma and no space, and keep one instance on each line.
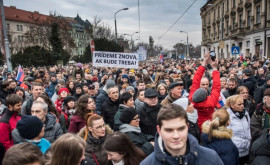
(243,23)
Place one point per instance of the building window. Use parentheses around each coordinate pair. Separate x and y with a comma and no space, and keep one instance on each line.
(8,26)
(248,18)
(248,43)
(227,5)
(218,12)
(227,27)
(258,14)
(233,3)
(240,21)
(233,23)
(20,38)
(19,28)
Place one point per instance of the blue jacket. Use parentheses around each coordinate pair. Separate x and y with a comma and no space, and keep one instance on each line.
(101,98)
(221,142)
(197,155)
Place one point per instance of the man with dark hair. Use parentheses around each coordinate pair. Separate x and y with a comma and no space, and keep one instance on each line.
(9,119)
(37,89)
(23,154)
(173,144)
(259,92)
(249,81)
(232,88)
(110,106)
(4,90)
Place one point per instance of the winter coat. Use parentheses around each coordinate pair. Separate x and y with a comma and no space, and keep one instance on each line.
(169,99)
(250,83)
(101,98)
(161,97)
(148,119)
(260,150)
(52,129)
(108,111)
(117,122)
(26,106)
(206,108)
(95,146)
(241,132)
(76,124)
(138,104)
(259,93)
(140,139)
(51,89)
(221,143)
(258,122)
(249,106)
(197,155)
(8,123)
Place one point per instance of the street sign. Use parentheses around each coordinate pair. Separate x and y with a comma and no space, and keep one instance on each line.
(221,44)
(235,50)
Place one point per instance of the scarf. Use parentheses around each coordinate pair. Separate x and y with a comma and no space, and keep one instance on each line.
(238,114)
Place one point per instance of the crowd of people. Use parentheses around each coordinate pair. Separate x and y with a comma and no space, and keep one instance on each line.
(198,111)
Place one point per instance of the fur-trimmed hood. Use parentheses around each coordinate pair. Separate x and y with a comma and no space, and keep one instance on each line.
(82,131)
(220,133)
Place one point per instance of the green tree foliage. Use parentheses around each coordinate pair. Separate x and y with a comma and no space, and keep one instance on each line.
(101,44)
(31,56)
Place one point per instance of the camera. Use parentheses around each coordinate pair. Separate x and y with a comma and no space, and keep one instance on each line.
(213,55)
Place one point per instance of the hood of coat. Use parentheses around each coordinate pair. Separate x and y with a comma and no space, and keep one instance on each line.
(219,133)
(129,128)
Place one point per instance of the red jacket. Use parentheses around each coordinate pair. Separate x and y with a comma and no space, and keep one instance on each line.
(76,124)
(8,122)
(206,108)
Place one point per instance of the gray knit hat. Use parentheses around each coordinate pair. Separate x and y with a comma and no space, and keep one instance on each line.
(130,88)
(199,95)
(110,83)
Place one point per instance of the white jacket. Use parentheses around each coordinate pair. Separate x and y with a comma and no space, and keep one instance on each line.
(241,132)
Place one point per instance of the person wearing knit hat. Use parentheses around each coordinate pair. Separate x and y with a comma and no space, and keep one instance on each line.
(67,112)
(94,78)
(131,90)
(124,78)
(62,94)
(130,119)
(78,91)
(31,129)
(205,104)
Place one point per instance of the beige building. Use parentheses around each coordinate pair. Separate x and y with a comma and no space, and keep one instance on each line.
(243,23)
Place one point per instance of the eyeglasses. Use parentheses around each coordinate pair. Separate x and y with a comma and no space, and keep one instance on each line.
(243,92)
(136,118)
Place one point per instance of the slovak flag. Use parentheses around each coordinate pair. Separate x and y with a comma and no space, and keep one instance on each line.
(161,58)
(20,75)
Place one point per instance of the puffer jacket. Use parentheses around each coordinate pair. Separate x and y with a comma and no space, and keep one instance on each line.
(140,139)
(206,108)
(53,129)
(221,143)
(100,99)
(241,132)
(197,155)
(94,147)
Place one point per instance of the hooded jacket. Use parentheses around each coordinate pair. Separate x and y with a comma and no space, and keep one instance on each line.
(140,139)
(206,108)
(196,155)
(221,143)
(52,129)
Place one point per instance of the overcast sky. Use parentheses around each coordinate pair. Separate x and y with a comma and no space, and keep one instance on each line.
(156,16)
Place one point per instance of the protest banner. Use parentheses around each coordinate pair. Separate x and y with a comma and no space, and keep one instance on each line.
(115,59)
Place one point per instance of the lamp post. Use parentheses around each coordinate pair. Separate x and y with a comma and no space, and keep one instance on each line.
(115,22)
(131,38)
(187,43)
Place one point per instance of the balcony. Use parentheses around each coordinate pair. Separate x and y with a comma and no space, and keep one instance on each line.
(248,4)
(239,8)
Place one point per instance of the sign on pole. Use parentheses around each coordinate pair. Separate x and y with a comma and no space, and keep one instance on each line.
(235,50)
(92,45)
(142,53)
(115,59)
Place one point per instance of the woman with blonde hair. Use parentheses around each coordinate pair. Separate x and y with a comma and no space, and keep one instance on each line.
(94,133)
(240,125)
(162,91)
(68,149)
(216,136)
(248,101)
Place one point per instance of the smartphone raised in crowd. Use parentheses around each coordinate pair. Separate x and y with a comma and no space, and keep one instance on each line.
(213,55)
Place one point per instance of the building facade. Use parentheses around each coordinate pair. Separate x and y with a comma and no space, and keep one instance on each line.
(242,23)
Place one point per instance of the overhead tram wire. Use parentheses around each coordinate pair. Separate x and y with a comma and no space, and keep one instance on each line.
(159,38)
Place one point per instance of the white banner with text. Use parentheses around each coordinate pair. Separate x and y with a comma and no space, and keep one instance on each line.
(115,59)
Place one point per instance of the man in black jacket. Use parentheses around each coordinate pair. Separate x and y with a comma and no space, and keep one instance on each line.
(249,81)
(110,106)
(232,88)
(258,94)
(148,113)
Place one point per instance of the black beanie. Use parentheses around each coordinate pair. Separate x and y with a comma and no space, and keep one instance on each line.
(78,86)
(127,115)
(68,99)
(199,95)
(29,127)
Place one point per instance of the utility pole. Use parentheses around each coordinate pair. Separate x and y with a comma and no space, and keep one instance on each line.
(7,50)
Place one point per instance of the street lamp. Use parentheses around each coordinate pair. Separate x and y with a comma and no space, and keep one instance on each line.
(115,22)
(187,43)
